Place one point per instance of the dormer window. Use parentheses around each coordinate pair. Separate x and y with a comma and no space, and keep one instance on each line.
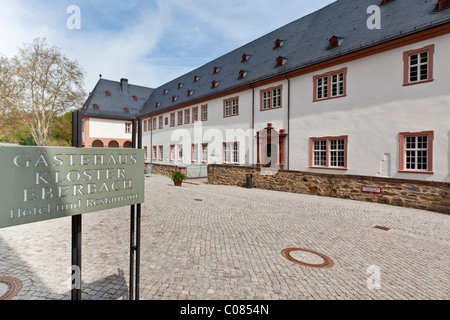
(157,105)
(108,93)
(126,110)
(214,84)
(174,98)
(216,70)
(334,42)
(135,98)
(242,74)
(196,78)
(180,85)
(95,106)
(387,1)
(166,91)
(278,43)
(443,4)
(280,61)
(190,93)
(245,57)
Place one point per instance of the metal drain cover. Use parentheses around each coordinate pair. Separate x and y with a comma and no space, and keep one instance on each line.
(313,258)
(9,287)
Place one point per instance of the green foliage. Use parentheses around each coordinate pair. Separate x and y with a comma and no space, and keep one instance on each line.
(25,138)
(177,176)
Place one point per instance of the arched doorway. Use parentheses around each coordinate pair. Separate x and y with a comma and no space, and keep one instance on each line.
(97,144)
(113,144)
(127,144)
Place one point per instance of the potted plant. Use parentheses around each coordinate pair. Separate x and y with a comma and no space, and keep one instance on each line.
(178,178)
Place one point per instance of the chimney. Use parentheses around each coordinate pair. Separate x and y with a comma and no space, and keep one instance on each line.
(387,1)
(443,4)
(124,85)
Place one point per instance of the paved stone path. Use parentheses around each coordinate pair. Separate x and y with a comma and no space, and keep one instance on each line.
(224,243)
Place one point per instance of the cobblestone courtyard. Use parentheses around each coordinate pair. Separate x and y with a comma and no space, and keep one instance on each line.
(204,242)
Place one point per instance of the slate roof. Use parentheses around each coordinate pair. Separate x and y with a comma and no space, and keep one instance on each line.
(113,105)
(304,43)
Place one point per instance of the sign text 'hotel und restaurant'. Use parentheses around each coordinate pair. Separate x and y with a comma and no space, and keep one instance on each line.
(42,183)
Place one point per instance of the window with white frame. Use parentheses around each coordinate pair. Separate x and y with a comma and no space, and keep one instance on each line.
(322,88)
(231,107)
(172,152)
(330,85)
(180,152)
(180,118)
(337,84)
(418,65)
(194,152)
(329,152)
(416,151)
(204,152)
(226,153)
(160,122)
(195,114)
(266,100)
(187,116)
(205,113)
(271,98)
(161,153)
(127,127)
(231,152)
(172,119)
(337,153)
(320,153)
(154,152)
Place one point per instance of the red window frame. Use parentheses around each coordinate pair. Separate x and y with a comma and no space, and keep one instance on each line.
(231,107)
(328,152)
(402,153)
(328,76)
(204,107)
(406,65)
(271,90)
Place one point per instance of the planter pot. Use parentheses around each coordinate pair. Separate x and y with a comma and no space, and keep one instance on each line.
(178,183)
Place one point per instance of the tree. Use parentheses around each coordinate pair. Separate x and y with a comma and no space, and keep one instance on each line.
(7,88)
(48,85)
(61,131)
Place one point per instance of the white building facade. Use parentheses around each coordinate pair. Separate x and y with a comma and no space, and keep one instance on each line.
(379,110)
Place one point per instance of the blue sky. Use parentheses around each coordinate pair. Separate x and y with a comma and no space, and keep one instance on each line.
(150,42)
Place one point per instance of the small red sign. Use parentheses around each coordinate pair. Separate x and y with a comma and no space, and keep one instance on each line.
(368,189)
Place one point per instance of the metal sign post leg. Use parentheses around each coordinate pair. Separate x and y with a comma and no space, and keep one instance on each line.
(135,226)
(76,220)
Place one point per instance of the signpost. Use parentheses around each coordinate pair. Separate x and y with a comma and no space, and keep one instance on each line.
(43,183)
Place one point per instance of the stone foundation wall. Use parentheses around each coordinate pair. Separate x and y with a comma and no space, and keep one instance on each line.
(166,170)
(432,196)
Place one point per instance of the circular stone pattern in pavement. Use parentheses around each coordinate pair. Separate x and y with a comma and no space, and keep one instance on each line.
(9,287)
(307,258)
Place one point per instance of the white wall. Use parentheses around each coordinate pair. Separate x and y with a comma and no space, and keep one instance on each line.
(108,128)
(376,109)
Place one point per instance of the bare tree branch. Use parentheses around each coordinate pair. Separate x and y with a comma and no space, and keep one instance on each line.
(49,85)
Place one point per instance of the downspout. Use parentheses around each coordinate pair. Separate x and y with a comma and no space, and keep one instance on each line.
(253,125)
(151,140)
(288,124)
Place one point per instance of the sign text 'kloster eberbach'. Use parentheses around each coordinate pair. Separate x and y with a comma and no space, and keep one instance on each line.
(41,183)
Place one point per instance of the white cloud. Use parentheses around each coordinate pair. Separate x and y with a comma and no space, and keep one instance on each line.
(152,42)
